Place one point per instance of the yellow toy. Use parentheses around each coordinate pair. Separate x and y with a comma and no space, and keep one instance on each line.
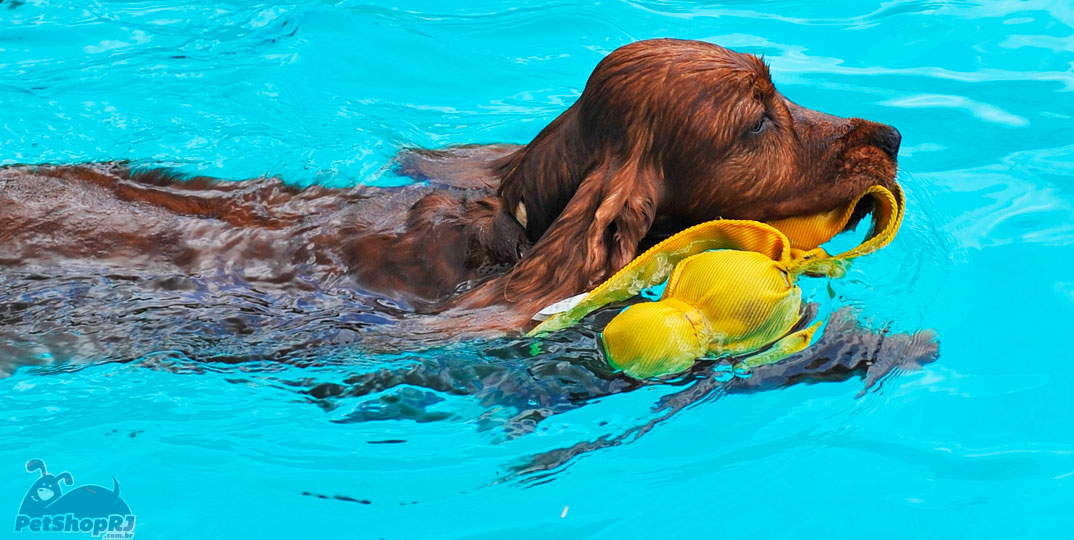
(730,289)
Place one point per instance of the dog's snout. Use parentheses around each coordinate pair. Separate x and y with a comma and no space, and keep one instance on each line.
(888,139)
(880,136)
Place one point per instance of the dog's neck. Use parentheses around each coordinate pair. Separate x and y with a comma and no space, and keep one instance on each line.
(505,235)
(447,245)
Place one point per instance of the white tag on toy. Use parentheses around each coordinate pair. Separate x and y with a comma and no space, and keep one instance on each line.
(559,307)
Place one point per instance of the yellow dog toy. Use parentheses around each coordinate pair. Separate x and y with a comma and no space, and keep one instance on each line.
(730,289)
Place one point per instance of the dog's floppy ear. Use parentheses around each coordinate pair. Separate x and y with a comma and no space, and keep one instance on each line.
(596,234)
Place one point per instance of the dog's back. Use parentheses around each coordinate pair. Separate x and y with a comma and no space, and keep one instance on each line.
(417,244)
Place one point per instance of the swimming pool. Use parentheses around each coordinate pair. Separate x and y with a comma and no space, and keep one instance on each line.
(976,445)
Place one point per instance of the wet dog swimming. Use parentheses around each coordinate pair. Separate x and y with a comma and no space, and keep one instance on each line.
(666,134)
(104,262)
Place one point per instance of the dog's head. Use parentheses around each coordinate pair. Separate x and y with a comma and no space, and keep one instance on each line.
(670,133)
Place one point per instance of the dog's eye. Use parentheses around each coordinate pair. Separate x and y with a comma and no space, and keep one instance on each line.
(760,125)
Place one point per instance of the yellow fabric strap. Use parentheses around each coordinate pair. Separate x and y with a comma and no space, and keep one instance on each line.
(888,209)
(792,243)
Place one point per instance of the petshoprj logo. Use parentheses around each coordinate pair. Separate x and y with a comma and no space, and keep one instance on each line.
(89,509)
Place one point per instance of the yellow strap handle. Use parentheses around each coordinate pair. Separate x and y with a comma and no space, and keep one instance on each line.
(887,218)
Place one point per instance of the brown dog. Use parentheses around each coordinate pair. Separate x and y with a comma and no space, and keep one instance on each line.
(667,134)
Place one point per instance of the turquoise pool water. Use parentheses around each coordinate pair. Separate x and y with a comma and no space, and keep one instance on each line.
(979,444)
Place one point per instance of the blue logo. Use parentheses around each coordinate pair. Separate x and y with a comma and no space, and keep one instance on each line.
(91,509)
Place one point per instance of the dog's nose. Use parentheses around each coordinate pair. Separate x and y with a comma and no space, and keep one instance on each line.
(888,139)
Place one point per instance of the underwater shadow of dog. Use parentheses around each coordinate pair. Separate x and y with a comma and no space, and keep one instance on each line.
(567,373)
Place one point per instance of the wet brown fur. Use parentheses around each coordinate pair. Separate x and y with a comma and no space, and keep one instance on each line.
(664,136)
